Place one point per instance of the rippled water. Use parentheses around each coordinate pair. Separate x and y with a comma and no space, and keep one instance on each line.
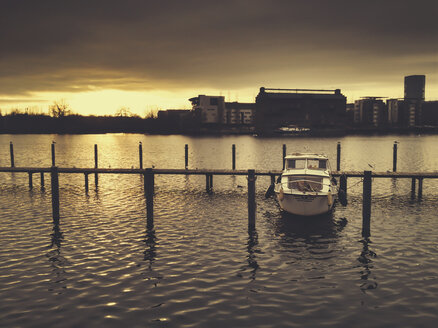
(200,267)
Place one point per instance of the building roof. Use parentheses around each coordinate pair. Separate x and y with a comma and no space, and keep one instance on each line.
(299,93)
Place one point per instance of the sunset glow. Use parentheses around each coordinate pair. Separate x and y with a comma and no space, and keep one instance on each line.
(148,56)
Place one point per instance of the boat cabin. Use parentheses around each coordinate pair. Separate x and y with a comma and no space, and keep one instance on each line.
(298,177)
(306,161)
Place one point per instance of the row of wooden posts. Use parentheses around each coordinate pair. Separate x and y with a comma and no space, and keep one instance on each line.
(149,174)
(149,186)
(186,156)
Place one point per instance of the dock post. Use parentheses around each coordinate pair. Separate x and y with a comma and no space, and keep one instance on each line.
(86,182)
(96,176)
(338,157)
(55,193)
(366,204)
(343,183)
(413,187)
(140,154)
(42,179)
(149,192)
(420,188)
(284,155)
(53,153)
(394,157)
(233,148)
(186,151)
(30,181)
(11,150)
(343,189)
(251,200)
(208,183)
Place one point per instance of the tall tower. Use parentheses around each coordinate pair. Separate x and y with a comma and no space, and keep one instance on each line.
(414,98)
(414,87)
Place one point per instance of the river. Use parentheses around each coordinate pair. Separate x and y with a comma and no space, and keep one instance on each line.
(200,267)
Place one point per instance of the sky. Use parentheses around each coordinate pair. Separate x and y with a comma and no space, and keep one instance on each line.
(101,55)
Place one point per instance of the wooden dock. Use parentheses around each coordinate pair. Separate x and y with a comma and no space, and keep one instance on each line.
(251,175)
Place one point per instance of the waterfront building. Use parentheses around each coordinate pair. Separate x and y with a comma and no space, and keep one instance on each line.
(209,109)
(414,87)
(239,113)
(277,108)
(414,98)
(430,113)
(370,112)
(395,110)
(213,110)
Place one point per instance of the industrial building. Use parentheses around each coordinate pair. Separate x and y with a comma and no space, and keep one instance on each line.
(308,108)
(214,111)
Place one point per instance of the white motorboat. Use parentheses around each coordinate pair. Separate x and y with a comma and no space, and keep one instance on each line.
(306,186)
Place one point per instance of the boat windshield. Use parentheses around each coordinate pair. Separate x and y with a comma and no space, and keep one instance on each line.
(296,163)
(317,164)
(305,183)
(314,164)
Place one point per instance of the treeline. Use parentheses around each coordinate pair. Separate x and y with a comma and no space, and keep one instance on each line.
(40,123)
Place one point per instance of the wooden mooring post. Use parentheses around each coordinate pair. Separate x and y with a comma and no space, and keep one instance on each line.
(53,153)
(96,159)
(284,156)
(394,157)
(140,154)
(209,183)
(272,179)
(186,157)
(413,187)
(338,157)
(55,193)
(343,183)
(342,194)
(86,182)
(30,181)
(11,151)
(420,188)
(251,200)
(42,180)
(366,204)
(233,151)
(149,193)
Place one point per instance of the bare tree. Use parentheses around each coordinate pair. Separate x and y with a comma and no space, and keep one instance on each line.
(123,112)
(151,113)
(59,108)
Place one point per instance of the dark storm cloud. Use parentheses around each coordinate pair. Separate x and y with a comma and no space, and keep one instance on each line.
(79,45)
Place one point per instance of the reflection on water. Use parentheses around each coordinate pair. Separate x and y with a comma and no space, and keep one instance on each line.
(366,264)
(309,229)
(252,253)
(57,261)
(150,253)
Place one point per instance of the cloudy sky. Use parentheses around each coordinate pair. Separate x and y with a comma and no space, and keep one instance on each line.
(100,55)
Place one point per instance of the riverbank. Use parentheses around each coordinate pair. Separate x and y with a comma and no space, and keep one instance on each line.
(77,124)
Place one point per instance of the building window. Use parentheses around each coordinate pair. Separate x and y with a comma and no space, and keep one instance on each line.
(214,101)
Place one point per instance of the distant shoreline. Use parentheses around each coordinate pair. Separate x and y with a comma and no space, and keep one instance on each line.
(76,124)
(313,133)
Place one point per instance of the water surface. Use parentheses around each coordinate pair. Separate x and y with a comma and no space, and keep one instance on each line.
(200,266)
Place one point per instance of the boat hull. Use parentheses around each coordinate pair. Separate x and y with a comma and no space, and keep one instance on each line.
(305,205)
